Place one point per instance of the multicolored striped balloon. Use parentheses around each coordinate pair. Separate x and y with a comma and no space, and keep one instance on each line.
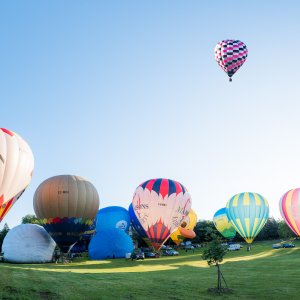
(160,206)
(223,225)
(230,55)
(290,209)
(248,213)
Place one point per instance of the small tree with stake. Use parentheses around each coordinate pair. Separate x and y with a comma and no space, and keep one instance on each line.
(214,255)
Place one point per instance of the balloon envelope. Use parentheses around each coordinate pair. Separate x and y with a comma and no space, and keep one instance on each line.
(223,225)
(113,217)
(67,206)
(160,205)
(188,224)
(248,213)
(230,55)
(110,243)
(16,168)
(136,223)
(290,209)
(28,243)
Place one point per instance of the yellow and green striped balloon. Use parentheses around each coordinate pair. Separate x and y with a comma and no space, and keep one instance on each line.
(248,213)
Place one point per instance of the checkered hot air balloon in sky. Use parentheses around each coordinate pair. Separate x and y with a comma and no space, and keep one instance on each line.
(16,168)
(161,205)
(230,55)
(290,209)
(248,213)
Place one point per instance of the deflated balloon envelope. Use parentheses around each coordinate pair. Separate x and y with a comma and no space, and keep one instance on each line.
(28,243)
(110,243)
(112,217)
(16,168)
(67,205)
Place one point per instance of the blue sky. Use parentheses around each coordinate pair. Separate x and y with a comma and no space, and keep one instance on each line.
(120,92)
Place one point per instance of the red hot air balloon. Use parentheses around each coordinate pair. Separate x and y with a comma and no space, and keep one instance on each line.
(160,206)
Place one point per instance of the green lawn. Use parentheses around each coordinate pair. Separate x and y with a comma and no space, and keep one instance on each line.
(262,273)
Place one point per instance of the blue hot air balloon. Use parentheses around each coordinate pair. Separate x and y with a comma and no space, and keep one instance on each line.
(248,213)
(113,217)
(110,243)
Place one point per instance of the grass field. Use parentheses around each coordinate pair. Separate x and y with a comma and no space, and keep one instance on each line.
(262,273)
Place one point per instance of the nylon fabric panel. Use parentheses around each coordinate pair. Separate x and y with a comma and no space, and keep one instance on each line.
(73,197)
(81,195)
(10,166)
(3,153)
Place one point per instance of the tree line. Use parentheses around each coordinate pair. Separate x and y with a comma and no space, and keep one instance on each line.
(205,230)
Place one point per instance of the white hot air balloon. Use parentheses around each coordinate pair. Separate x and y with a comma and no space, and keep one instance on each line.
(160,206)
(16,168)
(28,243)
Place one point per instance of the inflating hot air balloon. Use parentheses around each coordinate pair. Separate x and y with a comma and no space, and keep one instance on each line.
(290,209)
(230,55)
(28,243)
(113,217)
(185,230)
(110,243)
(16,168)
(161,205)
(67,206)
(223,225)
(248,213)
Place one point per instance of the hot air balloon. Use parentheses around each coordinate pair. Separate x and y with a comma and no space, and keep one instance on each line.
(67,206)
(113,217)
(110,243)
(248,213)
(223,225)
(185,230)
(161,205)
(16,168)
(290,209)
(28,243)
(230,55)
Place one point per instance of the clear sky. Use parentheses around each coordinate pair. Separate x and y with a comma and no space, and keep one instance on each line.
(120,92)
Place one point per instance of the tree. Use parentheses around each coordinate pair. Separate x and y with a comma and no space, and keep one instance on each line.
(284,231)
(31,219)
(214,254)
(269,231)
(3,234)
(204,231)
